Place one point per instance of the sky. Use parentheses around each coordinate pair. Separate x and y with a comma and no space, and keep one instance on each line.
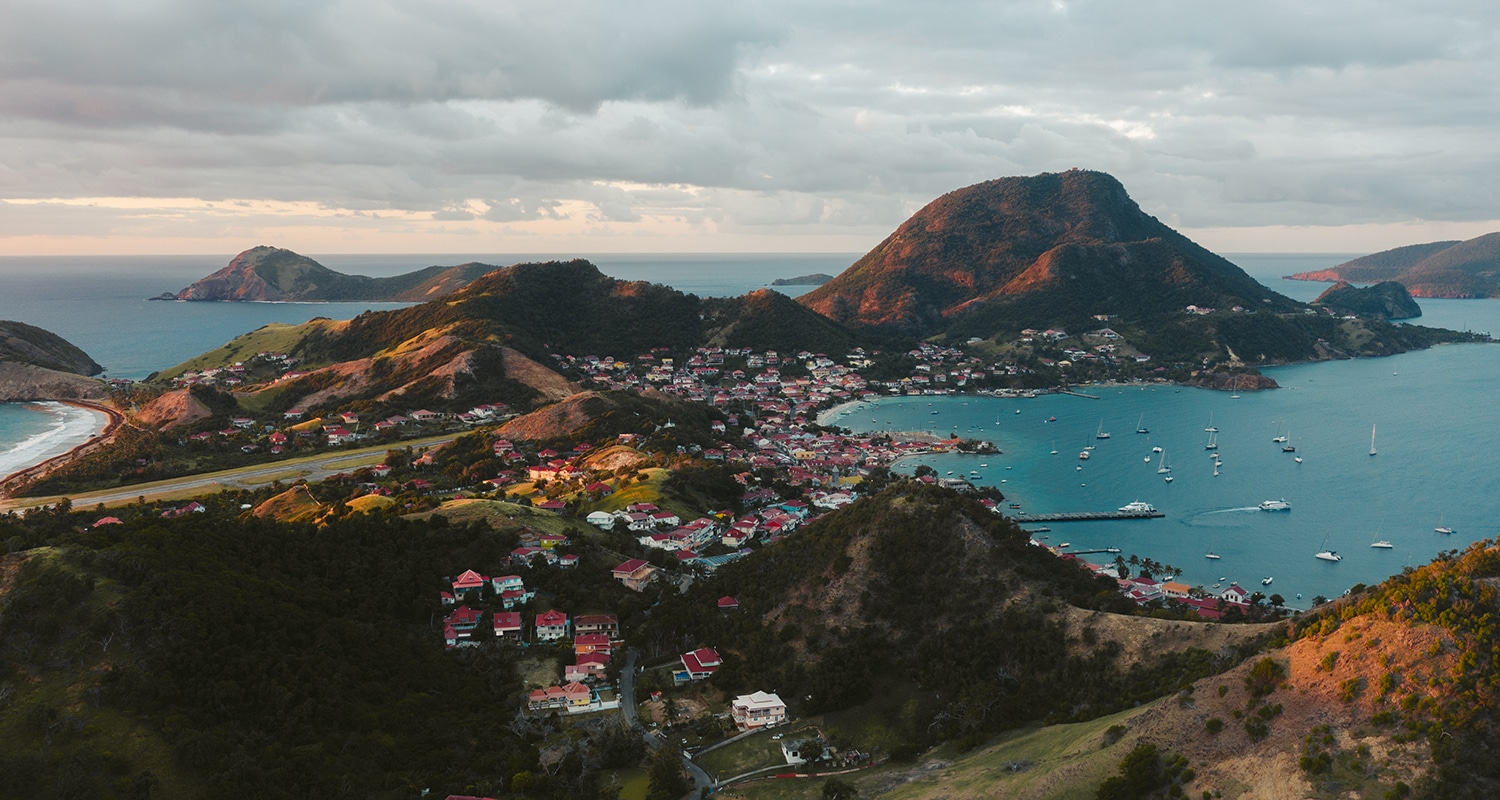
(178,126)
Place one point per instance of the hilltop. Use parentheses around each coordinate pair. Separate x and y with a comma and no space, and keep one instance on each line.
(36,364)
(274,274)
(1449,269)
(1038,251)
(1384,300)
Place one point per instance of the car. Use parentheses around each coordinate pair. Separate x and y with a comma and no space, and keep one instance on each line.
(777,737)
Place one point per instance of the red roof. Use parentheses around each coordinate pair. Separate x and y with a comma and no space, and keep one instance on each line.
(551,618)
(630,566)
(704,659)
(728,602)
(507,620)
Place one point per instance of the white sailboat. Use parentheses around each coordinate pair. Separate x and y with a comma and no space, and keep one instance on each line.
(1213,442)
(1101,433)
(1379,543)
(1211,428)
(1234,389)
(1441,528)
(1328,555)
(1141,428)
(1289,447)
(1372,440)
(1161,466)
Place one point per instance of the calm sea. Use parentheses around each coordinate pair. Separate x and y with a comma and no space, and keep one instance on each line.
(1436,423)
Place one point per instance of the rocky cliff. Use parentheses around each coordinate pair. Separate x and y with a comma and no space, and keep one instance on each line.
(1384,300)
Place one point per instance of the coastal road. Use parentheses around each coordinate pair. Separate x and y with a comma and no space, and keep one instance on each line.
(312,468)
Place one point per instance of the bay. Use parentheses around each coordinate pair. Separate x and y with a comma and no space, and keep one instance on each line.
(1438,430)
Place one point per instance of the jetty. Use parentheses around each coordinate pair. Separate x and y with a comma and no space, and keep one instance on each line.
(1084,516)
(1073,552)
(1078,394)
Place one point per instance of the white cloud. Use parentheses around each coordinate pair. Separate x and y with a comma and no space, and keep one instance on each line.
(787,121)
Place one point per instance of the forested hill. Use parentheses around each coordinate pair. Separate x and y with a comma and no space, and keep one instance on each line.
(272,273)
(889,601)
(1047,250)
(1469,268)
(571,307)
(27,344)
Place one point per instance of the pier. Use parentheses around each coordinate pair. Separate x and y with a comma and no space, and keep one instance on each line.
(1072,552)
(1078,394)
(1084,516)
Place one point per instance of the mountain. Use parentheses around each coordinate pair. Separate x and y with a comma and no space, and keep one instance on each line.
(1048,250)
(1437,269)
(28,344)
(36,364)
(814,279)
(495,339)
(273,274)
(1386,300)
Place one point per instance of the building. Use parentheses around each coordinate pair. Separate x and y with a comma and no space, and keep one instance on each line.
(697,665)
(635,574)
(758,710)
(551,626)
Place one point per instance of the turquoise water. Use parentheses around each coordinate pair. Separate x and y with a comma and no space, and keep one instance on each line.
(33,432)
(1438,430)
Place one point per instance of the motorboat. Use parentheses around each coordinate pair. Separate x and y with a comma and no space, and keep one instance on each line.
(1137,507)
(1381,544)
(1275,505)
(1266,581)
(1212,555)
(1083,455)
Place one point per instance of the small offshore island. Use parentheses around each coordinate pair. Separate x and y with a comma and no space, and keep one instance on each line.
(815,279)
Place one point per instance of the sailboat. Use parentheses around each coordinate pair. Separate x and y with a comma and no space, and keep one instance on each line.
(1211,428)
(1289,447)
(1441,528)
(1372,440)
(1101,434)
(1234,389)
(1139,427)
(1161,466)
(1054,448)
(1328,555)
(1213,442)
(1211,555)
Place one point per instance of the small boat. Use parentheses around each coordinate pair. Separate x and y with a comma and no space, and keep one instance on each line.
(1381,544)
(1078,467)
(1015,505)
(1156,449)
(1441,528)
(1266,581)
(1161,466)
(1298,459)
(1064,544)
(1372,440)
(1052,419)
(1213,442)
(1137,507)
(1101,433)
(1275,505)
(1216,469)
(1083,455)
(1140,428)
(1329,555)
(1212,555)
(1147,459)
(1168,479)
(1211,428)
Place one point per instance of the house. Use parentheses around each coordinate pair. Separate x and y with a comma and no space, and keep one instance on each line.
(635,574)
(601,519)
(469,581)
(758,710)
(697,665)
(585,643)
(505,583)
(1235,594)
(508,625)
(464,620)
(1175,589)
(551,626)
(567,561)
(589,667)
(727,603)
(607,624)
(339,435)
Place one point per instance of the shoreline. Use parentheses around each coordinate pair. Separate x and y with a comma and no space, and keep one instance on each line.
(113,419)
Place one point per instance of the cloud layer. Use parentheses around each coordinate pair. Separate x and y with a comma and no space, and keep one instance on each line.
(673,125)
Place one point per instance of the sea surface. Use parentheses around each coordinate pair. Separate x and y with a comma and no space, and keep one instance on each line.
(1434,412)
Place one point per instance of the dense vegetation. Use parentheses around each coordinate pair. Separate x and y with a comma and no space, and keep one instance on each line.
(1461,719)
(28,344)
(272,273)
(890,600)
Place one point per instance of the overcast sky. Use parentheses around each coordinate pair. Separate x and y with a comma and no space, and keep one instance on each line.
(517,126)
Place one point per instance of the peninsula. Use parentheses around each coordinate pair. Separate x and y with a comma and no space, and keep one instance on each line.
(1447,269)
(277,275)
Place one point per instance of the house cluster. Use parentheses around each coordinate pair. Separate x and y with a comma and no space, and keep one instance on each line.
(505,591)
(594,636)
(1145,590)
(278,365)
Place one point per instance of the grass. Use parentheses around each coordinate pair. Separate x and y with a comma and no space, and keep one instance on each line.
(1067,762)
(750,753)
(500,515)
(633,782)
(276,337)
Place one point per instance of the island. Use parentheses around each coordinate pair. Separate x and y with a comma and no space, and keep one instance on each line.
(815,279)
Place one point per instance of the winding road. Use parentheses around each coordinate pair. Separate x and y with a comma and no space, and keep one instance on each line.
(701,778)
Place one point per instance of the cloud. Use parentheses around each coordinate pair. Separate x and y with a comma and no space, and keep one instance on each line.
(776,119)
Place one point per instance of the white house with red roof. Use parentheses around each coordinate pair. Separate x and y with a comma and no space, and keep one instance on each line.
(697,665)
(1235,594)
(585,643)
(469,581)
(551,626)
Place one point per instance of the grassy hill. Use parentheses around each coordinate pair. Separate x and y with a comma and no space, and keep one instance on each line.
(1451,269)
(28,344)
(272,273)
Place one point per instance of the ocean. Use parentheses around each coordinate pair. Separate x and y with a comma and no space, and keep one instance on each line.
(1433,411)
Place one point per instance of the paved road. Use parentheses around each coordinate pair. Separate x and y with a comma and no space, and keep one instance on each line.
(313,469)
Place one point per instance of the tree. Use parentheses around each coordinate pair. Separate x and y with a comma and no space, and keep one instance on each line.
(666,780)
(1277,600)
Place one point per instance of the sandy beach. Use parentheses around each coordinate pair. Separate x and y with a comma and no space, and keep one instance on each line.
(81,427)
